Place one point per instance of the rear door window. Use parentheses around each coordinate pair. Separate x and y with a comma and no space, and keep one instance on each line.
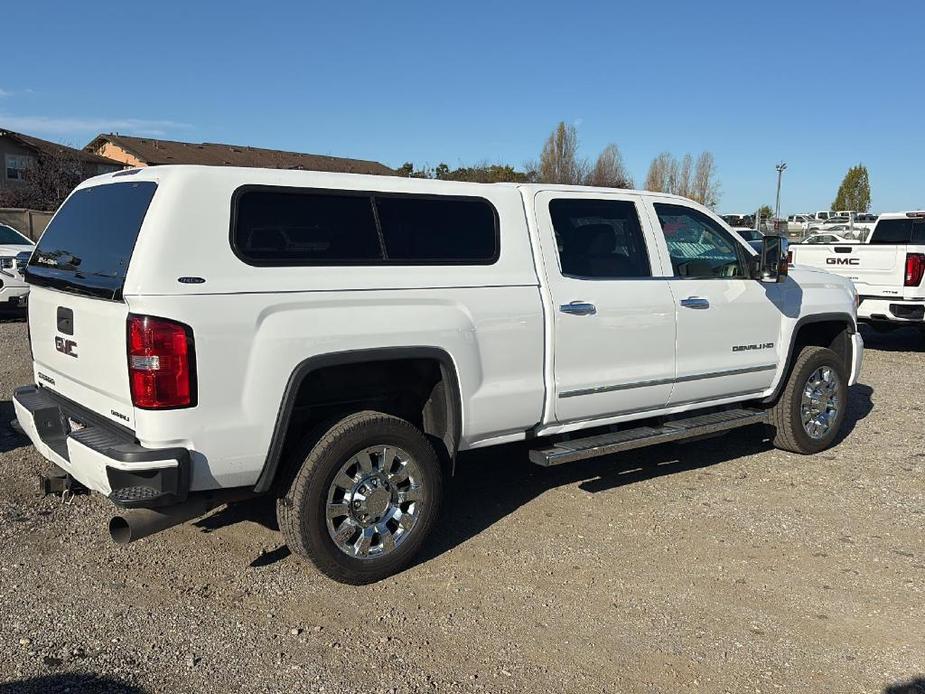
(599,239)
(88,245)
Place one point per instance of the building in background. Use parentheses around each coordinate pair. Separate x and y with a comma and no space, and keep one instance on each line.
(141,151)
(20,152)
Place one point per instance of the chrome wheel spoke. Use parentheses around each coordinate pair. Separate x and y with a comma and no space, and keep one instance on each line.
(364,463)
(385,537)
(337,510)
(344,532)
(362,545)
(342,481)
(409,494)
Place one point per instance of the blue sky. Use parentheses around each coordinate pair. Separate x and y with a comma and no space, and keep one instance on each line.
(819,85)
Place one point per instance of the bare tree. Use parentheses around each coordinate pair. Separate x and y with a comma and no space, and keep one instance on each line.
(658,178)
(559,161)
(609,171)
(47,182)
(695,181)
(705,188)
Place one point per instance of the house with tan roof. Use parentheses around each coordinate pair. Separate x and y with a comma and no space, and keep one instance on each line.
(145,151)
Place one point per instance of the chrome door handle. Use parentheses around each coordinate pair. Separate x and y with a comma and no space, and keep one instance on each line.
(579,308)
(695,302)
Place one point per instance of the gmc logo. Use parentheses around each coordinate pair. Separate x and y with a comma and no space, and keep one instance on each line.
(68,347)
(842,261)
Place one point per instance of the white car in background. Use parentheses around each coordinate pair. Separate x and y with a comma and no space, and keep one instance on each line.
(15,250)
(825,238)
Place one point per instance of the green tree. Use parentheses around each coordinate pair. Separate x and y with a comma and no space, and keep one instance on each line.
(765,211)
(854,191)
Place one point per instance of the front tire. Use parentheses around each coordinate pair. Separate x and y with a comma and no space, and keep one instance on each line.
(810,411)
(364,499)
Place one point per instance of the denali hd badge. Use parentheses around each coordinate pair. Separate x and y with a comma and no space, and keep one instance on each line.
(746,348)
(68,347)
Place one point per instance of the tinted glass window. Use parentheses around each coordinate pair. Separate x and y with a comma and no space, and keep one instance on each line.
(293,228)
(899,231)
(699,247)
(88,245)
(599,239)
(8,235)
(418,229)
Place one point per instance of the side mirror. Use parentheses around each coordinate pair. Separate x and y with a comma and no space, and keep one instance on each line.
(771,263)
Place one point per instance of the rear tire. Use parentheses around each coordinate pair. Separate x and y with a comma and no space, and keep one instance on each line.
(366,496)
(810,410)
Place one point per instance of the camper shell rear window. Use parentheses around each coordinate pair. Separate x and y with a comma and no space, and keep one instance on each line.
(88,245)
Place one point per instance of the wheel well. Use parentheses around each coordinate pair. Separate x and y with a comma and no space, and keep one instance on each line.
(421,390)
(833,335)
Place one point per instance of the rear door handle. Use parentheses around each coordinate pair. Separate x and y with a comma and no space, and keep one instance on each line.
(695,302)
(579,308)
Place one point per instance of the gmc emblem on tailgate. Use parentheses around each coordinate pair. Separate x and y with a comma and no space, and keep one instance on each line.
(68,347)
(842,261)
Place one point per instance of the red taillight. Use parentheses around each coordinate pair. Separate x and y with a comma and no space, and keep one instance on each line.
(160,363)
(915,268)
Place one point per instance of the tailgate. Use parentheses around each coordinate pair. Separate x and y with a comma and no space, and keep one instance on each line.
(79,350)
(875,270)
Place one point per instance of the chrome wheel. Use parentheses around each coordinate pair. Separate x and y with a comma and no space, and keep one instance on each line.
(820,402)
(374,501)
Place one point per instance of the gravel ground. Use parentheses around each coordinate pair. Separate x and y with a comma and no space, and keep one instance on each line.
(719,566)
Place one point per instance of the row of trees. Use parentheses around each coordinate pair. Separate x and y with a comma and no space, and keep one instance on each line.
(561,162)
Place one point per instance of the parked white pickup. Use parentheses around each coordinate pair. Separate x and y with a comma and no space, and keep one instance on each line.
(336,340)
(888,270)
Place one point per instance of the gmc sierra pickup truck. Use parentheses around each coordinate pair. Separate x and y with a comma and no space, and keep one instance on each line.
(888,270)
(200,334)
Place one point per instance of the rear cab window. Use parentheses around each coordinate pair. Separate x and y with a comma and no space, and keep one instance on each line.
(899,231)
(88,245)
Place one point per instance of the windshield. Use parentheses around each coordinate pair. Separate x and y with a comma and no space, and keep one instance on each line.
(9,236)
(87,247)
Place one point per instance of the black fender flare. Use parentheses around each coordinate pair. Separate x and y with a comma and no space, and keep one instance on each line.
(833,317)
(451,391)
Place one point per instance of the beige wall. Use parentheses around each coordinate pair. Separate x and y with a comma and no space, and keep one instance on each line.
(115,152)
(29,222)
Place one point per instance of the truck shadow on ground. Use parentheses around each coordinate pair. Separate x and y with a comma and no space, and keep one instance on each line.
(69,682)
(899,340)
(10,439)
(491,484)
(916,685)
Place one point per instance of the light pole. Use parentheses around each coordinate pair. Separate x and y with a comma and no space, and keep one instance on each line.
(780,168)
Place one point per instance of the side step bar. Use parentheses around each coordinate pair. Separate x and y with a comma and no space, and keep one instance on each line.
(674,430)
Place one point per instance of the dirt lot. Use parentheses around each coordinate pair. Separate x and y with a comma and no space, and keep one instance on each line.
(718,566)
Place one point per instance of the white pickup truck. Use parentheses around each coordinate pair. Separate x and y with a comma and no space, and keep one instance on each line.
(888,269)
(201,334)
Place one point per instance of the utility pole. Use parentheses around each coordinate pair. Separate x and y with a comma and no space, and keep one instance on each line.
(780,168)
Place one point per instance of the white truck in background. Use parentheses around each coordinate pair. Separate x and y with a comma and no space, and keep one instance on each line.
(888,270)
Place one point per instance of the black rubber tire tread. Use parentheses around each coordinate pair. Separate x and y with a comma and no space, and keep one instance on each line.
(300,510)
(784,415)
